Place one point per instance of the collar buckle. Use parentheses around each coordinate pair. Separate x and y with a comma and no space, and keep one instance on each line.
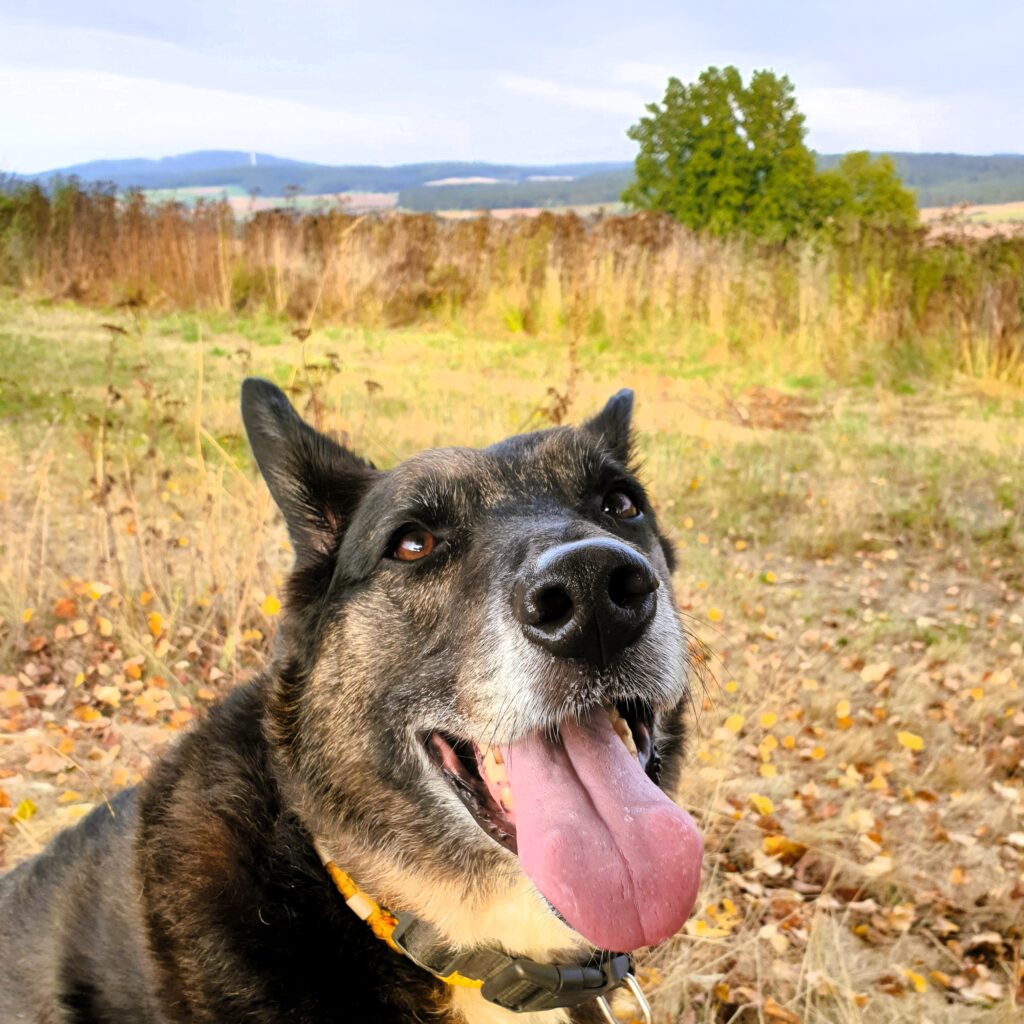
(525,985)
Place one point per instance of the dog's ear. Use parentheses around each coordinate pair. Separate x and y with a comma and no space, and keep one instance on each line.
(614,425)
(315,482)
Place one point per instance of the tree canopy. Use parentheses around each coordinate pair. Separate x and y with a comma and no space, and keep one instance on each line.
(727,157)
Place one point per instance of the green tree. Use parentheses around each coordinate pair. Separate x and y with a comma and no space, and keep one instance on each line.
(724,157)
(867,191)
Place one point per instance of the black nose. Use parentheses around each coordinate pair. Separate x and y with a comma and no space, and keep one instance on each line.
(587,599)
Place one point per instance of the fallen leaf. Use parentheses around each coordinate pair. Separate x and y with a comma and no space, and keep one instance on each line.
(910,740)
(24,810)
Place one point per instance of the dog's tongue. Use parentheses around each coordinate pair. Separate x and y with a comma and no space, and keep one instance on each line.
(617,859)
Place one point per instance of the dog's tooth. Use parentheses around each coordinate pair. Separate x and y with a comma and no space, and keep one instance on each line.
(613,713)
(506,799)
(494,767)
(626,735)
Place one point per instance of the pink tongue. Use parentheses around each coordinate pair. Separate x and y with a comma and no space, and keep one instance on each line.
(617,859)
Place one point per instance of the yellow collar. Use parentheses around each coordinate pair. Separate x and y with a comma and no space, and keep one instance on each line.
(515,983)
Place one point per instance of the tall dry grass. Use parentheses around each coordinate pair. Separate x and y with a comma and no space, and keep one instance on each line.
(845,304)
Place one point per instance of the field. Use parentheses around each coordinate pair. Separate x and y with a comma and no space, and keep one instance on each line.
(850,567)
(980,220)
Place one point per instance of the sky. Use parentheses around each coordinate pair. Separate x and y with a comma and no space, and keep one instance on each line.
(350,81)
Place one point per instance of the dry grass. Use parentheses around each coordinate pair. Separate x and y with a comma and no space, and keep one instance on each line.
(847,306)
(851,556)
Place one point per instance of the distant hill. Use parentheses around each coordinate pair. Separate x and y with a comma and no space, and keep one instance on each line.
(939,179)
(270,175)
(944,179)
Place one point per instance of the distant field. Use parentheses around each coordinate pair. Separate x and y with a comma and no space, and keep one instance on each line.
(982,220)
(244,203)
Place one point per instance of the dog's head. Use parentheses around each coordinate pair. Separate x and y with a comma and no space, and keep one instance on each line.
(481,671)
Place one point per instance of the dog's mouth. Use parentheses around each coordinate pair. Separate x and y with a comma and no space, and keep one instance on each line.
(480,776)
(579,805)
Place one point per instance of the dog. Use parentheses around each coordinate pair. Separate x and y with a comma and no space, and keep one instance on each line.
(445,797)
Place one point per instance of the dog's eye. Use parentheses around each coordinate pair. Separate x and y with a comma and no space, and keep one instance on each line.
(413,545)
(619,505)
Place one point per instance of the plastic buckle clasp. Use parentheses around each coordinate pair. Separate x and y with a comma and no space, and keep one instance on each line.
(416,943)
(524,985)
(638,994)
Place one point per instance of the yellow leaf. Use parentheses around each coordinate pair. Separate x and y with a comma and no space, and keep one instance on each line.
(809,684)
(109,695)
(69,796)
(785,849)
(104,625)
(701,929)
(789,742)
(843,709)
(861,820)
(732,686)
(762,804)
(818,753)
(957,876)
(75,812)
(915,979)
(98,590)
(875,673)
(714,614)
(24,810)
(156,623)
(145,597)
(770,578)
(976,694)
(271,605)
(79,627)
(768,719)
(734,723)
(878,866)
(910,740)
(741,545)
(776,1012)
(26,615)
(768,771)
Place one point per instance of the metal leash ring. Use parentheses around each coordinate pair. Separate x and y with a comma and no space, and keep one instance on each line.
(638,994)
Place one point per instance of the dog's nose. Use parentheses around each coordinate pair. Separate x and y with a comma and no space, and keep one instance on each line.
(586,599)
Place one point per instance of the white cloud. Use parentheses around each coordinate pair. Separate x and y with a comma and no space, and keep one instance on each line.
(610,101)
(50,117)
(840,118)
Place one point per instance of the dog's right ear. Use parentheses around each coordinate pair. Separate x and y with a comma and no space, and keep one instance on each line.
(315,482)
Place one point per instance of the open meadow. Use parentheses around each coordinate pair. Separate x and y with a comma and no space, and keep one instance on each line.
(850,566)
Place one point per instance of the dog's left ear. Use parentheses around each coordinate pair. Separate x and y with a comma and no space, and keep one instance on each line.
(614,425)
(315,482)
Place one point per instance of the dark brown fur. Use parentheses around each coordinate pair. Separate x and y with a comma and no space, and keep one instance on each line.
(198,897)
